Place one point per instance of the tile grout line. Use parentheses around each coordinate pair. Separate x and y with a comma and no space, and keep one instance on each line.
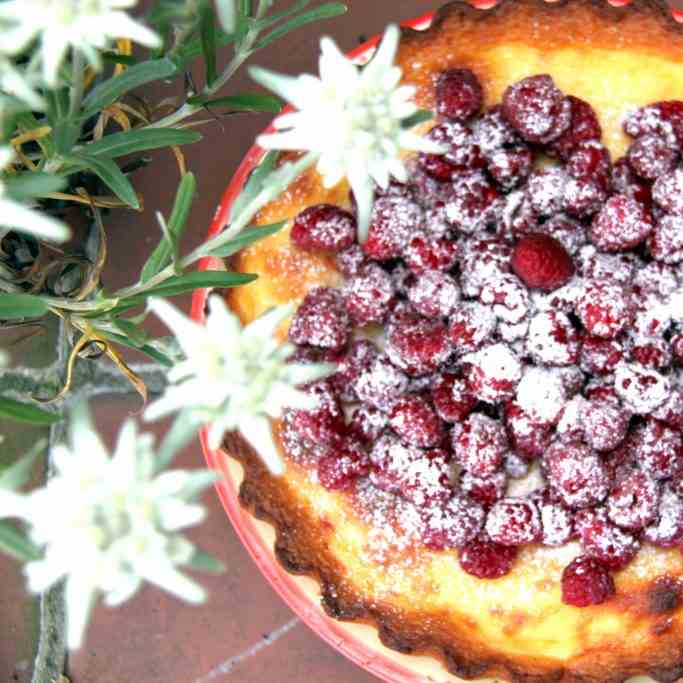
(228,665)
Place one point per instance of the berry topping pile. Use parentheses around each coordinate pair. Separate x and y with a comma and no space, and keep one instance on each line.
(514,317)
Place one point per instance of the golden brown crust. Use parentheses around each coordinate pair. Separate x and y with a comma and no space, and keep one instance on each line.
(518,38)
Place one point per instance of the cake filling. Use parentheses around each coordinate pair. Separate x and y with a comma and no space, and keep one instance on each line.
(515,315)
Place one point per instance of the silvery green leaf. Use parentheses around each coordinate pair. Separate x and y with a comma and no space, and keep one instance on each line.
(14,543)
(19,472)
(227,14)
(203,562)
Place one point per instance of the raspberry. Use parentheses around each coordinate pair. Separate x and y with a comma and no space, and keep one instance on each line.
(509,167)
(604,541)
(585,582)
(666,242)
(600,356)
(321,320)
(340,469)
(324,424)
(576,474)
(418,347)
(415,421)
(350,261)
(393,221)
(479,444)
(590,160)
(584,126)
(459,95)
(541,394)
(380,384)
(486,559)
(633,501)
(519,218)
(367,423)
(427,480)
(508,297)
(452,401)
(492,373)
(453,525)
(671,411)
(621,224)
(557,526)
(368,295)
(584,196)
(595,265)
(492,132)
(657,278)
(537,110)
(485,490)
(667,528)
(470,205)
(470,325)
(513,521)
(545,190)
(604,308)
(668,191)
(654,353)
(605,424)
(434,294)
(658,449)
(541,262)
(625,181)
(641,389)
(324,227)
(462,152)
(438,166)
(569,232)
(357,359)
(483,260)
(528,437)
(651,156)
(664,119)
(423,253)
(390,460)
(552,339)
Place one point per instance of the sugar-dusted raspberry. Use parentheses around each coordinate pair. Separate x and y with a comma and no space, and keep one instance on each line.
(656,277)
(667,528)
(470,325)
(601,389)
(528,437)
(452,525)
(462,152)
(583,197)
(492,132)
(541,394)
(510,166)
(513,521)
(576,474)
(671,411)
(358,358)
(664,119)
(604,308)
(573,379)
(633,501)
(380,384)
(415,421)
(515,466)
(368,295)
(390,460)
(519,218)
(402,278)
(605,424)
(508,297)
(436,224)
(545,190)
(552,339)
(677,347)
(340,468)
(641,389)
(588,160)
(427,480)
(586,582)
(569,232)
(651,156)
(621,224)
(321,320)
(324,227)
(367,423)
(459,94)
(423,252)
(492,373)
(557,525)
(479,444)
(452,400)
(651,352)
(668,191)
(666,242)
(434,294)
(603,540)
(324,424)
(437,166)
(485,490)
(625,181)
(470,205)
(541,262)
(658,449)
(652,315)
(537,109)
(482,260)
(351,260)
(418,347)
(394,220)
(487,560)
(596,265)
(584,126)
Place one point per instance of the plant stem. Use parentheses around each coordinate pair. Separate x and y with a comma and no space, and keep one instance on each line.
(77,84)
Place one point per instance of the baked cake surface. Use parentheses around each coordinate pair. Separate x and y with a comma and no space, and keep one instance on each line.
(515,626)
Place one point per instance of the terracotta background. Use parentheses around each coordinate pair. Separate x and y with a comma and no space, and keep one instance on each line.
(244,633)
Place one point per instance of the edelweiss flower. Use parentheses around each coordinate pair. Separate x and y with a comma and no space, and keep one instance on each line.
(84,25)
(20,84)
(108,523)
(18,216)
(234,377)
(353,117)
